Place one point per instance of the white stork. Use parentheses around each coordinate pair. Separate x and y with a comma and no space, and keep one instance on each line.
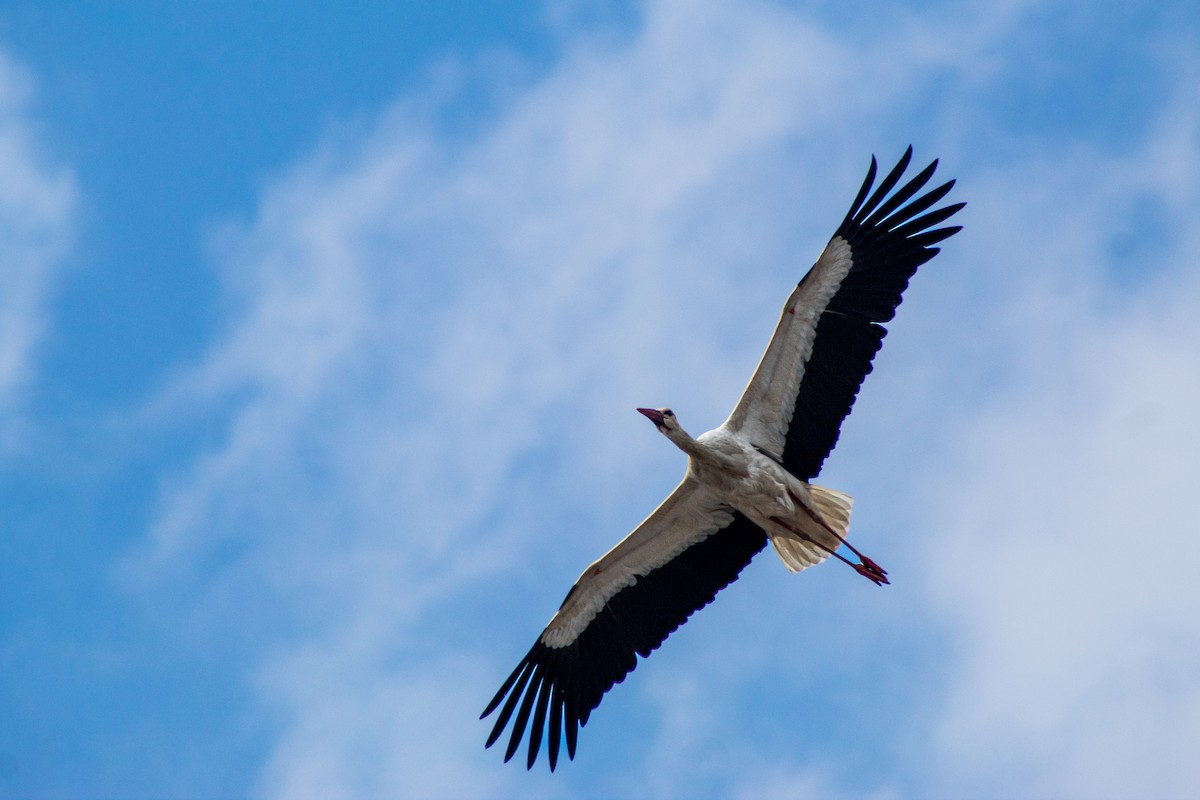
(746,481)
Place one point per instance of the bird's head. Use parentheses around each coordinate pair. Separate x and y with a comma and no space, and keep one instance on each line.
(663,419)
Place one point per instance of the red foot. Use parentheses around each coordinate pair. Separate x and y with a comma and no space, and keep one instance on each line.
(871,565)
(875,574)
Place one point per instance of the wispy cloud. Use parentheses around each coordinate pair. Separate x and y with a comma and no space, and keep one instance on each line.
(431,339)
(1063,552)
(37,205)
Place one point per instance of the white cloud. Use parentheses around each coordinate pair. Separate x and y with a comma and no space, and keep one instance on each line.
(37,203)
(1063,552)
(433,337)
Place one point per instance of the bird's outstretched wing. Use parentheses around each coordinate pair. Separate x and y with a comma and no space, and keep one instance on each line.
(622,606)
(830,328)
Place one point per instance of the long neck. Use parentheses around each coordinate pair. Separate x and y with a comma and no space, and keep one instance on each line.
(684,441)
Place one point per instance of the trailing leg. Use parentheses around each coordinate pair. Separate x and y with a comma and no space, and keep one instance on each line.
(831,511)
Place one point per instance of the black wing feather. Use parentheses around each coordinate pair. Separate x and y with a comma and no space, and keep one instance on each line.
(561,686)
(888,241)
(886,185)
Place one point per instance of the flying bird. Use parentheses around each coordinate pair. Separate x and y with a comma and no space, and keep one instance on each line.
(747,482)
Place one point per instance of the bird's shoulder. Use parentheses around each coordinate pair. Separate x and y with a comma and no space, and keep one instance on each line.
(724,442)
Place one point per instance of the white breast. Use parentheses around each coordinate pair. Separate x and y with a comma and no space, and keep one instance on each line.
(740,475)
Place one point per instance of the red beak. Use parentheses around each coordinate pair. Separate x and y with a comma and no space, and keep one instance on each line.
(652,414)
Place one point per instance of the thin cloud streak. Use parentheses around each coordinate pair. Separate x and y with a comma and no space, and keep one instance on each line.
(37,219)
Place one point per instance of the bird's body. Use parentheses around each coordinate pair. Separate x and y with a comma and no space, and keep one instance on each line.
(747,481)
(802,520)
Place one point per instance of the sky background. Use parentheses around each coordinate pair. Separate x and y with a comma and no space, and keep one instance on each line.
(321,334)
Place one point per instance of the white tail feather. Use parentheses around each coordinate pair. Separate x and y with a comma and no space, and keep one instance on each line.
(834,508)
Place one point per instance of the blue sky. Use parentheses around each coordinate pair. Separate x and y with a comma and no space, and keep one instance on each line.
(321,335)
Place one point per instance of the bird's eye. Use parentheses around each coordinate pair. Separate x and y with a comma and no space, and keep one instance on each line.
(668,412)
